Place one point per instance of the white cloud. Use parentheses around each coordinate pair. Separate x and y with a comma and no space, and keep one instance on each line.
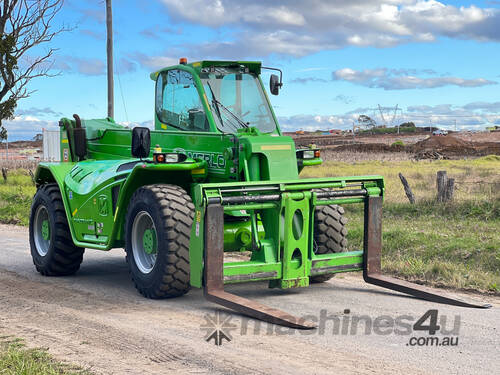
(26,127)
(309,70)
(344,99)
(299,28)
(155,62)
(85,66)
(93,34)
(218,12)
(307,79)
(397,79)
(33,111)
(91,66)
(470,116)
(483,106)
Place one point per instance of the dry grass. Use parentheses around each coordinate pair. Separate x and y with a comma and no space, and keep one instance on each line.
(476,179)
(355,157)
(19,164)
(455,244)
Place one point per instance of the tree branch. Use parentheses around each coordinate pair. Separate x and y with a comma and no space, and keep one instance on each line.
(24,24)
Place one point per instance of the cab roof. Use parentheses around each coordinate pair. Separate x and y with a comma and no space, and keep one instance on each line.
(253,66)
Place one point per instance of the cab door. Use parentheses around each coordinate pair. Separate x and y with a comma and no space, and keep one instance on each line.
(182,125)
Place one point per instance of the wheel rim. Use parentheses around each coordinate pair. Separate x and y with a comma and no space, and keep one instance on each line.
(42,231)
(144,242)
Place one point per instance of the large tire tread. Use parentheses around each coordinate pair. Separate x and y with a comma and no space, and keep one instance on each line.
(176,212)
(64,257)
(330,234)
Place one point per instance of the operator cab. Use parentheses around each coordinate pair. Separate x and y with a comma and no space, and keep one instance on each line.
(214,96)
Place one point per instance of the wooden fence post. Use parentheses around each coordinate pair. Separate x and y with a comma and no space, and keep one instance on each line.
(441,182)
(4,174)
(450,186)
(407,188)
(445,187)
(32,176)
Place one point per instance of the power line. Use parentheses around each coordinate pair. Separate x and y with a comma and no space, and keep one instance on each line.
(121,92)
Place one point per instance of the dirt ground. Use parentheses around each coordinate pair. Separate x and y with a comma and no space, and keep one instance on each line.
(407,138)
(97,320)
(417,146)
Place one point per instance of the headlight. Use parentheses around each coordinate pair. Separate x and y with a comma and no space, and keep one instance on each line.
(171,158)
(167,158)
(309,154)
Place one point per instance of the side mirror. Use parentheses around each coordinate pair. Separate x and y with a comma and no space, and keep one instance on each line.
(141,142)
(79,138)
(274,84)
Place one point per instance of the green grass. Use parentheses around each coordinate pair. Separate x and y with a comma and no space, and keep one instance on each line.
(16,196)
(454,244)
(437,245)
(16,359)
(476,180)
(402,129)
(398,143)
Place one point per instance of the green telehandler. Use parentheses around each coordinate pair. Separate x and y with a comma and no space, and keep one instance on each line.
(216,175)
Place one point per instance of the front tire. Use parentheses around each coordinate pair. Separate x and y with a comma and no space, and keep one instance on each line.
(52,248)
(157,230)
(329,234)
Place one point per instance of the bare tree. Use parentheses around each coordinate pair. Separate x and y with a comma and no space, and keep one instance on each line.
(24,24)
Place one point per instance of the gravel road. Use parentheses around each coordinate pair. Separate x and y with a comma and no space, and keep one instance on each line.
(96,319)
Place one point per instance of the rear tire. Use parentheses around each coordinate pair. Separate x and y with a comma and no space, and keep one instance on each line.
(329,234)
(52,248)
(157,230)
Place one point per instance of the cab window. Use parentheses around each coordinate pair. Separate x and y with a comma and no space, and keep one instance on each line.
(178,104)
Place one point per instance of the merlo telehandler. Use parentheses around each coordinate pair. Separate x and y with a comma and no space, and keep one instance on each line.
(216,175)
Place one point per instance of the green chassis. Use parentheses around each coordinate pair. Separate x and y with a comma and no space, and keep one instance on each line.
(96,219)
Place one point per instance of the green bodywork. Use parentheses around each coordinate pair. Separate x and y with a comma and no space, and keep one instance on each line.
(96,191)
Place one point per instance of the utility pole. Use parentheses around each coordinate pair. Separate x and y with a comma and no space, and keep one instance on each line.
(394,116)
(109,52)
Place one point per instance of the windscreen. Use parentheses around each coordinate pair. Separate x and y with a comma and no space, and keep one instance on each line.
(237,100)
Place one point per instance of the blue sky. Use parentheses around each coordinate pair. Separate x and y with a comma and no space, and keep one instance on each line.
(438,61)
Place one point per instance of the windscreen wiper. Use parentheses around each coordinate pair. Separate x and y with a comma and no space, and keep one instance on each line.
(219,105)
(214,102)
(240,121)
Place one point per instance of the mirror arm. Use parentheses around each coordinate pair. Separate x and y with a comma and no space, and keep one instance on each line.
(278,70)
